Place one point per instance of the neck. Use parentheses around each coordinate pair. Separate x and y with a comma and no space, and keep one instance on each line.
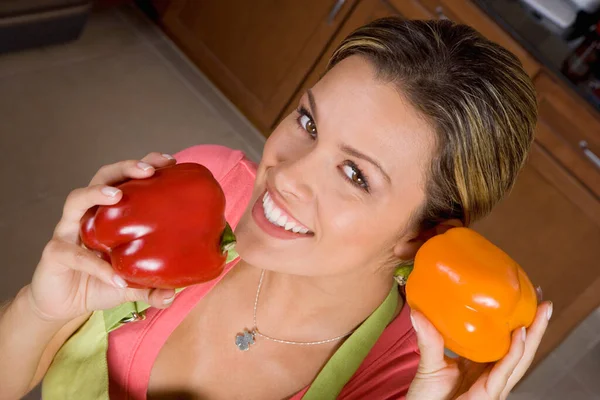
(301,308)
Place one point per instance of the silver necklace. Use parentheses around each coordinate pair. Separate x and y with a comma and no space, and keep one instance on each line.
(248,337)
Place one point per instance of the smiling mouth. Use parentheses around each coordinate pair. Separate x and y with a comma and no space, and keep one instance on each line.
(280,218)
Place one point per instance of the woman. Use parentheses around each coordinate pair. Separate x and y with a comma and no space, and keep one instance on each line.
(415,128)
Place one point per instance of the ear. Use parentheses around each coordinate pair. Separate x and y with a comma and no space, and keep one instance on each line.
(407,249)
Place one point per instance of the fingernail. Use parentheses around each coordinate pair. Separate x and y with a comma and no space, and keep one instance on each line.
(549,312)
(540,294)
(119,282)
(169,300)
(110,191)
(144,166)
(168,156)
(414,324)
(523,333)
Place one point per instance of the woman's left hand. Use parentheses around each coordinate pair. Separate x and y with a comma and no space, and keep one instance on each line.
(442,378)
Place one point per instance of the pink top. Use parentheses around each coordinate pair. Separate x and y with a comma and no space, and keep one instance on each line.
(385,373)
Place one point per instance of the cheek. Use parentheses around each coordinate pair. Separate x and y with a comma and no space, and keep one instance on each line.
(362,225)
(352,226)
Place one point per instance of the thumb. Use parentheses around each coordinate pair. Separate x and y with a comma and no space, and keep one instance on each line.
(431,344)
(158,298)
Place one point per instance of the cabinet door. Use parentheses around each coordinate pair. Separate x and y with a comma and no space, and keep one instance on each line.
(550,224)
(256,52)
(465,12)
(565,124)
(365,12)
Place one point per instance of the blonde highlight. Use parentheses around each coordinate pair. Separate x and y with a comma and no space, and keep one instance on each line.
(475,95)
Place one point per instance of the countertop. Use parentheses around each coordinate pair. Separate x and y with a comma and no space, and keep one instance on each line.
(549,49)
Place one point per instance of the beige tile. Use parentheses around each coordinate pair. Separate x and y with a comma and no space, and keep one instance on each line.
(139,22)
(568,388)
(59,124)
(536,383)
(105,33)
(577,344)
(587,370)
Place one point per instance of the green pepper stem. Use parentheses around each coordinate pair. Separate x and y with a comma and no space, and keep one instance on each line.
(227,238)
(402,273)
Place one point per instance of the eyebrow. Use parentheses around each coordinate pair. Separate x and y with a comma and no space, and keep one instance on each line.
(355,153)
(312,103)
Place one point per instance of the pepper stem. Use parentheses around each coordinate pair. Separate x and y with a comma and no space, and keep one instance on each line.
(402,273)
(228,244)
(227,238)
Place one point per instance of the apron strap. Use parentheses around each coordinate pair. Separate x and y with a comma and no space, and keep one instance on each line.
(346,360)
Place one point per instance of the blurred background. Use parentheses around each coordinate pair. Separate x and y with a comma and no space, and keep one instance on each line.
(86,83)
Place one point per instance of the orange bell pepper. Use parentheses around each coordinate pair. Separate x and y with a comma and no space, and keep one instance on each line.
(472,292)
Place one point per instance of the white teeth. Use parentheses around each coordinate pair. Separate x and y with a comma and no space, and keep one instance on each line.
(282,220)
(276,213)
(289,226)
(276,216)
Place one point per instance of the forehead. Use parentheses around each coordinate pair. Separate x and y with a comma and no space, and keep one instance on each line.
(357,109)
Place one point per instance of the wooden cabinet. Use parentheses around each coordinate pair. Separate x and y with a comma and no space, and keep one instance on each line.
(550,224)
(465,12)
(365,12)
(263,55)
(568,127)
(256,52)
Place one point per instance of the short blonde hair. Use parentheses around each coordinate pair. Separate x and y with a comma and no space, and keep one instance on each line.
(473,92)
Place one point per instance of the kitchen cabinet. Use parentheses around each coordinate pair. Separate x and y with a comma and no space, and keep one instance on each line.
(365,12)
(550,224)
(465,12)
(264,55)
(570,130)
(256,52)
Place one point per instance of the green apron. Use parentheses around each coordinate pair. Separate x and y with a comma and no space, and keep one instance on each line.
(80,370)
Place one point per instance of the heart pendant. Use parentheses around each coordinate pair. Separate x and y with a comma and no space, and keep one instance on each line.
(244,340)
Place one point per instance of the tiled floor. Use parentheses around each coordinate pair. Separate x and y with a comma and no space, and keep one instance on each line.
(121,91)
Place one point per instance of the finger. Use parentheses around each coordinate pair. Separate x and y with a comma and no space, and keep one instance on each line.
(431,344)
(539,294)
(161,298)
(74,257)
(118,172)
(105,297)
(78,203)
(535,334)
(498,378)
(158,298)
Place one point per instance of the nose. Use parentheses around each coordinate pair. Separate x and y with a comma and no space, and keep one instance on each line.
(295,179)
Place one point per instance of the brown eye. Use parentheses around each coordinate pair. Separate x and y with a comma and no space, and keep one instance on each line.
(355,176)
(308,125)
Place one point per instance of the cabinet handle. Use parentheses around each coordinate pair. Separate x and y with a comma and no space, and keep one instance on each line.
(439,10)
(335,10)
(593,157)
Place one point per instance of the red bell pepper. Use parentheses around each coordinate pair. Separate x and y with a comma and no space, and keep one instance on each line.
(168,231)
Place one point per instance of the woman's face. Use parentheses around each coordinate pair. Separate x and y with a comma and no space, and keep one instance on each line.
(343,174)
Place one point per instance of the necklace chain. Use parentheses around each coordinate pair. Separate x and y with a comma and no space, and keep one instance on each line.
(256,332)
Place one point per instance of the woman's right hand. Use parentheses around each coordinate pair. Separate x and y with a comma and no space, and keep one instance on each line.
(70,280)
